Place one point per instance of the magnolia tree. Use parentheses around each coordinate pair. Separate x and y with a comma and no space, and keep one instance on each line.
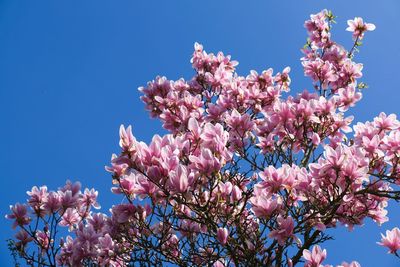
(247,176)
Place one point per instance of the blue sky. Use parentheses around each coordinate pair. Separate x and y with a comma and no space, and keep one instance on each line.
(69,72)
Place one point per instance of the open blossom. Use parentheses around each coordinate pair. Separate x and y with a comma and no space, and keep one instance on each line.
(359,27)
(315,257)
(19,213)
(53,203)
(38,196)
(387,122)
(264,206)
(391,240)
(206,162)
(347,97)
(70,218)
(89,198)
(284,231)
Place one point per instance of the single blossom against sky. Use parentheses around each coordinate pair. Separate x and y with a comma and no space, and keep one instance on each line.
(374,144)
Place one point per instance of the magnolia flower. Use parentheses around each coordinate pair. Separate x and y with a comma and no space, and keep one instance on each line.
(23,237)
(222,235)
(19,213)
(284,231)
(179,179)
(391,240)
(352,264)
(315,257)
(358,27)
(127,141)
(70,218)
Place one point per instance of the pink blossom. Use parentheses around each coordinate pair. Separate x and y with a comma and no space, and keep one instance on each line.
(23,237)
(70,218)
(206,162)
(53,203)
(73,187)
(347,97)
(358,27)
(244,174)
(126,185)
(391,240)
(385,122)
(98,221)
(180,179)
(68,199)
(219,263)
(264,206)
(127,141)
(315,257)
(284,230)
(43,240)
(351,264)
(222,235)
(89,198)
(19,214)
(38,196)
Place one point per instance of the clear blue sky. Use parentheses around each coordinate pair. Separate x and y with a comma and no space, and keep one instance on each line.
(69,72)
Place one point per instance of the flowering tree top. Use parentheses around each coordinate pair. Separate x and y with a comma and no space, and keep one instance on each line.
(247,175)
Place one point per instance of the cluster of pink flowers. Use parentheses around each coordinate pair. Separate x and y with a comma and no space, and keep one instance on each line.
(246,176)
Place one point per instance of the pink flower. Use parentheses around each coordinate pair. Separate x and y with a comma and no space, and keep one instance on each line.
(73,187)
(127,141)
(70,218)
(277,179)
(391,240)
(43,240)
(106,250)
(385,122)
(68,199)
(206,162)
(126,185)
(23,237)
(352,264)
(97,221)
(89,198)
(19,213)
(38,197)
(53,203)
(179,179)
(284,231)
(219,263)
(348,97)
(283,79)
(194,128)
(315,257)
(236,193)
(264,206)
(320,70)
(119,165)
(358,27)
(124,212)
(222,235)
(318,29)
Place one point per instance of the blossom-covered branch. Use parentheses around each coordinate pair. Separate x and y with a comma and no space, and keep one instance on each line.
(248,175)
